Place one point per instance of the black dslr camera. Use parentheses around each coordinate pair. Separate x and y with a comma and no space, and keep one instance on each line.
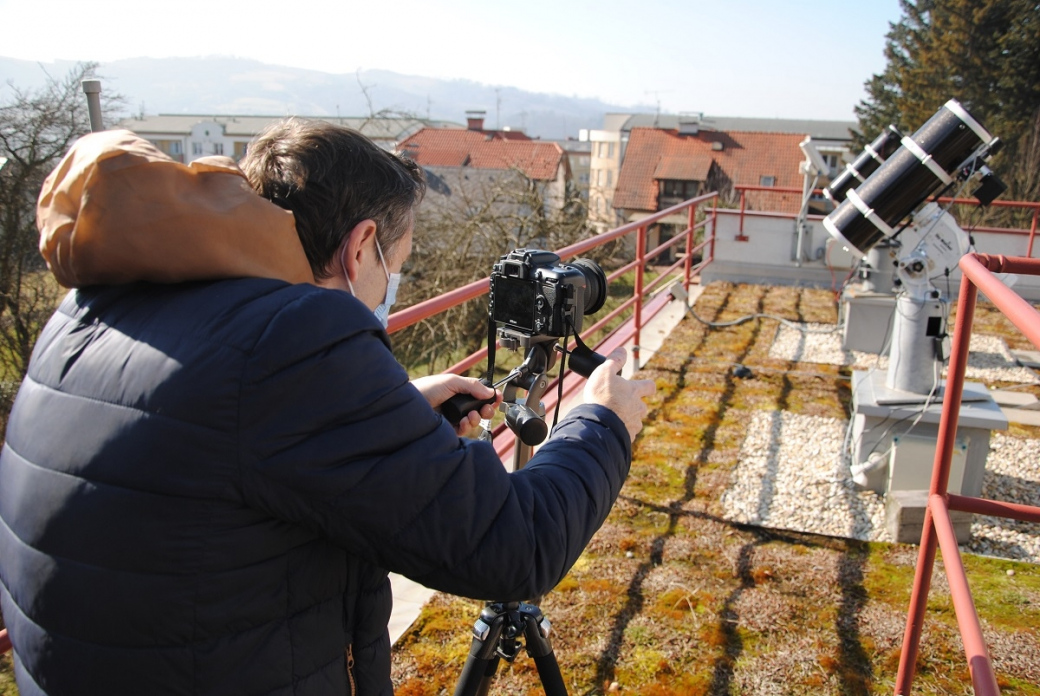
(534,295)
(536,300)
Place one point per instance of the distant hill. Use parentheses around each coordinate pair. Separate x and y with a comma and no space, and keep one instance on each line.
(222,85)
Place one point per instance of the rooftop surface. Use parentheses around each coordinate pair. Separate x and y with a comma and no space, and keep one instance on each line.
(674,597)
(483,150)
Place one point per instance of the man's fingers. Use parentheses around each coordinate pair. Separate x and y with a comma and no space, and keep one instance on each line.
(618,355)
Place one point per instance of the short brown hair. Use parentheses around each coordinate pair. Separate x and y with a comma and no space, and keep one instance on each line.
(331,178)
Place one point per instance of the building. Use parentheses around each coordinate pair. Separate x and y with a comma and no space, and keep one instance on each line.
(664,167)
(610,145)
(186,137)
(459,162)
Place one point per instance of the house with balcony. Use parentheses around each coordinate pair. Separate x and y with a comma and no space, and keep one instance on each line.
(663,167)
(609,147)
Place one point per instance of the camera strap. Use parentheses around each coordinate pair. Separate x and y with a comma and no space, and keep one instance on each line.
(491,341)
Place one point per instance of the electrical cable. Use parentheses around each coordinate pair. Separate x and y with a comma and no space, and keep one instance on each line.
(749,317)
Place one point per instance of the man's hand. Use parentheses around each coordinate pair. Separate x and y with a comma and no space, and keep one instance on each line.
(439,388)
(622,396)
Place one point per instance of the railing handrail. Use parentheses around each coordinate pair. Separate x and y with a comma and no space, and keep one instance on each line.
(435,305)
(978,273)
(629,330)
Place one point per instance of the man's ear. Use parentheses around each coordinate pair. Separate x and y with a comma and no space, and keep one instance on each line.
(356,245)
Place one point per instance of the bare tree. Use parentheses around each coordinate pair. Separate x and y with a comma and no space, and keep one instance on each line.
(37,126)
(469,219)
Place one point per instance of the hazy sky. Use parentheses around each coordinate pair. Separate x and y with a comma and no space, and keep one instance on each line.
(769,58)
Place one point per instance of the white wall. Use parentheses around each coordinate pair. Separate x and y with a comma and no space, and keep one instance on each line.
(767,255)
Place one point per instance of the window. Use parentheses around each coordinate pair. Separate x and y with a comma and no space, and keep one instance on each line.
(175,147)
(673,188)
(610,176)
(610,149)
(767,181)
(218,148)
(196,148)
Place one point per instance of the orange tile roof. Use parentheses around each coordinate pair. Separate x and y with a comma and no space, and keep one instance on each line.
(434,147)
(653,154)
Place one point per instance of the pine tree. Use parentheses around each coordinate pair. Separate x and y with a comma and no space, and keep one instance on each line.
(985,54)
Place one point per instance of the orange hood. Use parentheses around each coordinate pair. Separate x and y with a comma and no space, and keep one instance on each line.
(117,210)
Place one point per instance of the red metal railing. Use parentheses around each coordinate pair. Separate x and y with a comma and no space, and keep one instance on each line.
(744,190)
(978,270)
(1022,205)
(642,312)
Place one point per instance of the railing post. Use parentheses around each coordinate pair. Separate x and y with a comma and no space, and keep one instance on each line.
(638,313)
(940,478)
(1032,233)
(691,218)
(714,226)
(740,233)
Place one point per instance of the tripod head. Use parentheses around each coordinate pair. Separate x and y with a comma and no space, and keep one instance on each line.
(526,417)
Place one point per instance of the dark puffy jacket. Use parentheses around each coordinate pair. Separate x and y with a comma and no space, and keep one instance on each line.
(204,485)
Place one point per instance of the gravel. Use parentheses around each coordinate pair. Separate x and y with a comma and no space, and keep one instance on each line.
(791,473)
(989,359)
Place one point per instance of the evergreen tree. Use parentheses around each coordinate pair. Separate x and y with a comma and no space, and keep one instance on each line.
(985,54)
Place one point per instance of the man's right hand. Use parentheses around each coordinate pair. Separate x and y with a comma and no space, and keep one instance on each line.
(622,396)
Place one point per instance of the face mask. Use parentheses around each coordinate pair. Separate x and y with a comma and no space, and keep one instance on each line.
(393,280)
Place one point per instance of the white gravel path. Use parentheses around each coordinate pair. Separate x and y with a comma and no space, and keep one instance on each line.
(791,474)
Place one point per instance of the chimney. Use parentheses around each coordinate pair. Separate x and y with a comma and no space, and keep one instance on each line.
(690,123)
(475,120)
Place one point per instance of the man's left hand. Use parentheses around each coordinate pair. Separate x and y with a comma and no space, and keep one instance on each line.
(439,388)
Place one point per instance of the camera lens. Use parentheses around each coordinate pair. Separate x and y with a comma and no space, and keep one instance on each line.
(595,284)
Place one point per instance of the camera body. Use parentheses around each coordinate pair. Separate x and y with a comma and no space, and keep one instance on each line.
(534,295)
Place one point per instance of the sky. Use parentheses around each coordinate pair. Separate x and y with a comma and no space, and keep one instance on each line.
(753,58)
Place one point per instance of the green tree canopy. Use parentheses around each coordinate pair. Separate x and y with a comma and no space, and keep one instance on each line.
(985,54)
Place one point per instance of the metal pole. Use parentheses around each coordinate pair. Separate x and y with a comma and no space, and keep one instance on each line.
(740,232)
(940,478)
(92,88)
(691,217)
(638,312)
(714,225)
(1032,233)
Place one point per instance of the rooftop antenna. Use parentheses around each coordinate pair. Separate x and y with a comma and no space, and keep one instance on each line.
(657,98)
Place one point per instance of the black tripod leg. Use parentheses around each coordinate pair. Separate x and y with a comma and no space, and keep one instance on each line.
(476,676)
(539,647)
(483,657)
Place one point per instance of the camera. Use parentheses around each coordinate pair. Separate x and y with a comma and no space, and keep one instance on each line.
(534,295)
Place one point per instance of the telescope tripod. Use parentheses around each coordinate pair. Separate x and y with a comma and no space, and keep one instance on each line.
(501,626)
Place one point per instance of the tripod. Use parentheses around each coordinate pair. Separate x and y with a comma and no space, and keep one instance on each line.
(497,632)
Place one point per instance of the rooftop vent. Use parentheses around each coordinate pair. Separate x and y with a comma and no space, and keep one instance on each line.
(717,146)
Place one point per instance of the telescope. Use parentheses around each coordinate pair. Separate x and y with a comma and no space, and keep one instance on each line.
(889,210)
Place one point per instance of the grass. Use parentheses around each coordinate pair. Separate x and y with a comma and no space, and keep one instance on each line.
(669,598)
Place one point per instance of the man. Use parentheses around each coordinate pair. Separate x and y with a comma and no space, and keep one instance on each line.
(205,482)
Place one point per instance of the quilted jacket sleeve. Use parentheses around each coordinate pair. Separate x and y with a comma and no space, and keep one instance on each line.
(335,438)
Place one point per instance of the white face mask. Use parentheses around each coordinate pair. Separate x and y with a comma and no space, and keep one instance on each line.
(393,280)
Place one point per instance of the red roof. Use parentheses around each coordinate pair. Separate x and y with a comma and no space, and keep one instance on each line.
(655,154)
(436,147)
